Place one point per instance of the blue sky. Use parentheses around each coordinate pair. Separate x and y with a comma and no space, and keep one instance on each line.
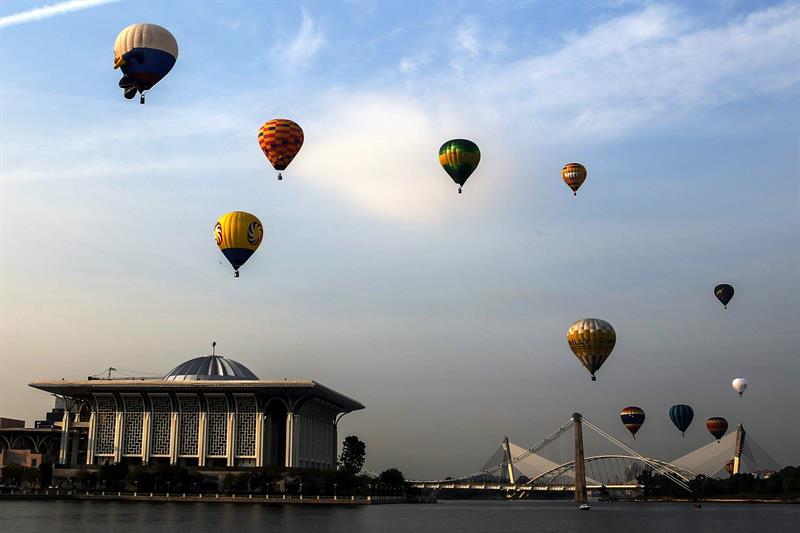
(444,314)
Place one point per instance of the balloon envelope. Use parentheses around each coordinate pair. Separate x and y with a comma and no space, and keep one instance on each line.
(145,53)
(459,158)
(280,140)
(591,340)
(682,416)
(574,174)
(724,293)
(238,235)
(739,385)
(633,418)
(717,426)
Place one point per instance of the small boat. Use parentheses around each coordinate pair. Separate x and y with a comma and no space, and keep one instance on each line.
(584,507)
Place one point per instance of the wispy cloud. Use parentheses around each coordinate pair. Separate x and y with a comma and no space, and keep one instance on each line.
(53,10)
(307,43)
(467,38)
(619,78)
(649,67)
(412,64)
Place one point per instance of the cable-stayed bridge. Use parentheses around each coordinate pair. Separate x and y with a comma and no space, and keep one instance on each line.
(522,470)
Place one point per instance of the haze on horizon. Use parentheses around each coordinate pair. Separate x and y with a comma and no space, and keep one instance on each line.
(444,314)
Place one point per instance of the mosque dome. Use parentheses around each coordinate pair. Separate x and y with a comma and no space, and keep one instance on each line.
(210,368)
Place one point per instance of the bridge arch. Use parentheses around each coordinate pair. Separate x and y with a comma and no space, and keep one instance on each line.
(564,475)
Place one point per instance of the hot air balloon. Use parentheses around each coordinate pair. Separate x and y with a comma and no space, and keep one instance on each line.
(459,158)
(724,293)
(717,426)
(280,140)
(633,418)
(739,385)
(574,174)
(591,340)
(145,53)
(238,235)
(682,416)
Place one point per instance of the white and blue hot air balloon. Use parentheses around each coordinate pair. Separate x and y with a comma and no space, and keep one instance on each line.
(145,53)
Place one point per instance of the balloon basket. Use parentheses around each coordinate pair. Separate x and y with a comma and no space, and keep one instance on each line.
(236,274)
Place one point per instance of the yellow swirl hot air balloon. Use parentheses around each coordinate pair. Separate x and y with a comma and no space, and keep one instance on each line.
(592,340)
(238,235)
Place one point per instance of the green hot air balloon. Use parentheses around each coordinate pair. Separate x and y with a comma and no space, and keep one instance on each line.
(459,158)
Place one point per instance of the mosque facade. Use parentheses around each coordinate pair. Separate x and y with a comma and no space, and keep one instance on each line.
(208,412)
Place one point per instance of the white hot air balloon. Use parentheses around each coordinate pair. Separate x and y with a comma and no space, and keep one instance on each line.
(145,53)
(739,385)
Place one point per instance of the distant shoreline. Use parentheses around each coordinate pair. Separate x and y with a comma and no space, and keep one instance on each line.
(790,501)
(272,499)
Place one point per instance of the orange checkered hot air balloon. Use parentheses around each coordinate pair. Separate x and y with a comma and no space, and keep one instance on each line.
(280,139)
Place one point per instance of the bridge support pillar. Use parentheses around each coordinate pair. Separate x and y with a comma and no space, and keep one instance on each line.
(509,461)
(580,468)
(737,454)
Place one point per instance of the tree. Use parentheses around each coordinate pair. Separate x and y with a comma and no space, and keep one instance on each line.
(354,452)
(392,477)
(649,483)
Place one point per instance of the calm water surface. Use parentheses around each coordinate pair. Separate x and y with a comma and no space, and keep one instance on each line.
(450,516)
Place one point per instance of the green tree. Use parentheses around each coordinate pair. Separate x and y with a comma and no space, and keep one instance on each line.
(645,479)
(392,477)
(13,475)
(354,453)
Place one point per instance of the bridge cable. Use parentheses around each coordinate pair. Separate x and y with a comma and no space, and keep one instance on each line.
(663,471)
(527,453)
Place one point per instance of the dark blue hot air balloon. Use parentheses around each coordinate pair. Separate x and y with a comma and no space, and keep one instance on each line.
(682,416)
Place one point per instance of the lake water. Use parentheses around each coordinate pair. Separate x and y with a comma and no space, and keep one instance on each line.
(449,516)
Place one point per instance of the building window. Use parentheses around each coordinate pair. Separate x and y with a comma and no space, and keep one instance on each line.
(162,422)
(106,425)
(245,426)
(190,409)
(132,434)
(217,440)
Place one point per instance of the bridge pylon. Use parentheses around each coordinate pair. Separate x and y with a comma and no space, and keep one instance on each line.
(509,460)
(737,454)
(580,467)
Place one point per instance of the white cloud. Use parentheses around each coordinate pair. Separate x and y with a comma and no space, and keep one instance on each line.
(649,67)
(412,64)
(466,36)
(375,151)
(307,43)
(44,12)
(471,38)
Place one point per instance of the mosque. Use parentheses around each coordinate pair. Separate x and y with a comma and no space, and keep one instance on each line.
(208,412)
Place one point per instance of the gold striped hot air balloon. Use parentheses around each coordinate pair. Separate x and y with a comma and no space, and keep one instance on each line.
(574,174)
(591,340)
(238,235)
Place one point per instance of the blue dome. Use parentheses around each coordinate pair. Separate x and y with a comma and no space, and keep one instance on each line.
(210,368)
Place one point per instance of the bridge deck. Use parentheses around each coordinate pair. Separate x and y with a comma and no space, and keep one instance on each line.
(512,487)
